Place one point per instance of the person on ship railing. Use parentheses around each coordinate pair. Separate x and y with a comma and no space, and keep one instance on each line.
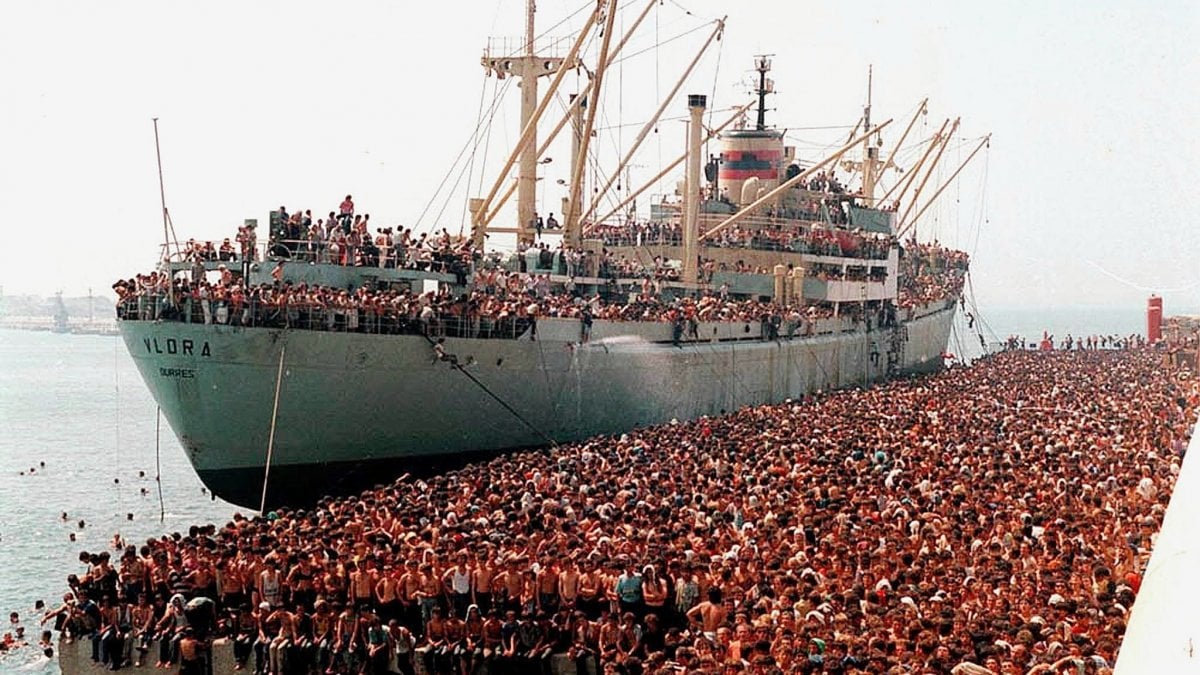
(384,245)
(352,245)
(294,230)
(227,252)
(191,251)
(247,241)
(345,214)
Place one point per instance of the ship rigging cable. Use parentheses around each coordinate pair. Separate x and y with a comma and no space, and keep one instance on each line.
(487,144)
(453,361)
(712,99)
(975,309)
(465,171)
(474,135)
(462,220)
(593,155)
(669,40)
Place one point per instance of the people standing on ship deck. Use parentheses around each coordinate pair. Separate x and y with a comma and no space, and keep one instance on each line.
(346,214)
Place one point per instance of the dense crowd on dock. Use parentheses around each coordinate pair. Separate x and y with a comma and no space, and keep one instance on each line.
(998,516)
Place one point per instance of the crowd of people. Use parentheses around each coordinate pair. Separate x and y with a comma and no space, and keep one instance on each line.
(500,305)
(992,519)
(343,238)
(16,640)
(930,273)
(1071,342)
(813,239)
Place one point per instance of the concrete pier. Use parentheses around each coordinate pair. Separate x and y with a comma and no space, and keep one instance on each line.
(1163,634)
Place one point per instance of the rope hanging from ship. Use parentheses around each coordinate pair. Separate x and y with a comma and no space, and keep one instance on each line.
(979,321)
(452,359)
(162,507)
(117,416)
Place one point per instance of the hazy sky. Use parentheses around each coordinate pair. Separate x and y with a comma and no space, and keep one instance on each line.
(1082,198)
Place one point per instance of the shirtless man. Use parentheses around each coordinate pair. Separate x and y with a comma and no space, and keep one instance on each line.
(141,627)
(709,614)
(334,582)
(437,641)
(608,639)
(568,584)
(323,621)
(492,636)
(481,584)
(190,654)
(204,579)
(346,638)
(362,584)
(283,639)
(132,574)
(410,587)
(429,591)
(547,585)
(511,582)
(386,597)
(231,584)
(589,592)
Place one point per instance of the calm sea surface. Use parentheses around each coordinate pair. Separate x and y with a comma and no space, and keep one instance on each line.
(77,403)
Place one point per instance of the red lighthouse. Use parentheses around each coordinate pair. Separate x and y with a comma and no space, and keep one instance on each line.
(1154,317)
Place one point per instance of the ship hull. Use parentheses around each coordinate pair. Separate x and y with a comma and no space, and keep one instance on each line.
(355,410)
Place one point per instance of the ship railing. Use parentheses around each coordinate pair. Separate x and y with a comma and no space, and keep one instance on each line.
(361,255)
(544,46)
(320,252)
(257,314)
(641,239)
(794,244)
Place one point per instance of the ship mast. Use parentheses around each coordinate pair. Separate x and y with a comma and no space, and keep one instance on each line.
(870,151)
(691,206)
(168,228)
(527,65)
(870,165)
(527,174)
(762,63)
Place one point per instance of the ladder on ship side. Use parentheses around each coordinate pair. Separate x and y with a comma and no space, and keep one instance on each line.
(895,353)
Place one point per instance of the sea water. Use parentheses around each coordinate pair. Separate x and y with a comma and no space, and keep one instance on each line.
(77,403)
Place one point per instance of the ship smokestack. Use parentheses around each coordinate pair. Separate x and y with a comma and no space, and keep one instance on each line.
(691,215)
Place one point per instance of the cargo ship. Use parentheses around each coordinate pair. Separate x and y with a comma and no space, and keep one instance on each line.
(765,279)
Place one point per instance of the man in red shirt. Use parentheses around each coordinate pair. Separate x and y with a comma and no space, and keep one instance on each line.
(346,213)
